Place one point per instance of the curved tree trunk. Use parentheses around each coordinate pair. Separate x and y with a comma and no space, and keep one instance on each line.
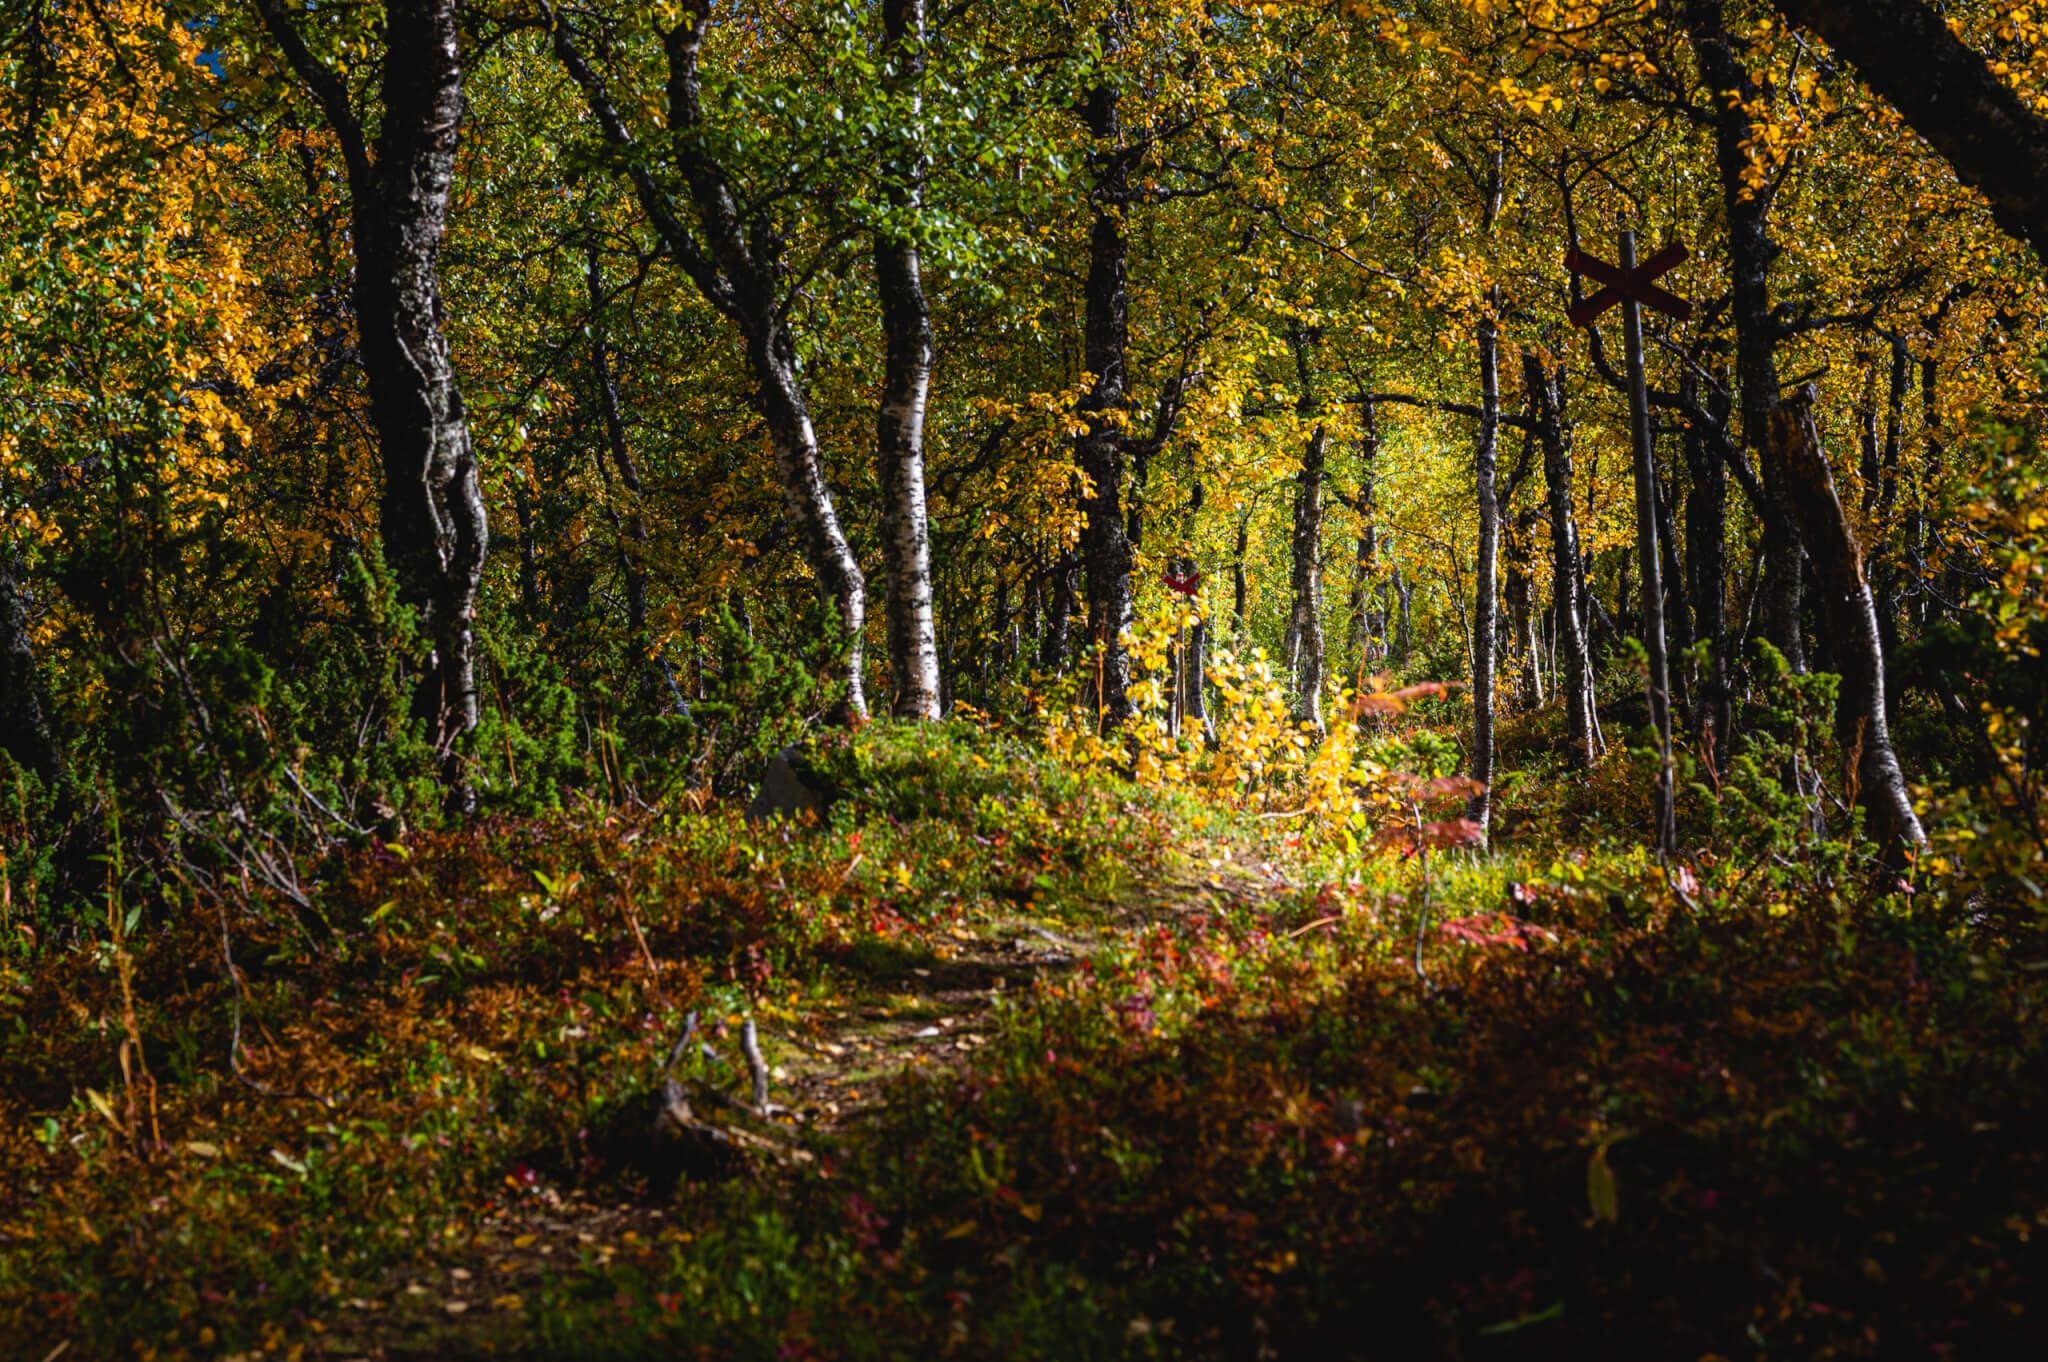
(1874,776)
(738,269)
(906,383)
(807,499)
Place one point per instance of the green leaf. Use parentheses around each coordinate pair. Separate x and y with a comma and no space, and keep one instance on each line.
(1508,1326)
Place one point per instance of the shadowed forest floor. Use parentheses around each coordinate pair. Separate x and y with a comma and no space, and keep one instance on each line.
(1058,1067)
(894,1010)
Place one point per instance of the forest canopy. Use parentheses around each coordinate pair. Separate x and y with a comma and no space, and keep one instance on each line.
(421,402)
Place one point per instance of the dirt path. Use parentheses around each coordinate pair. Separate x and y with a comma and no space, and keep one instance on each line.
(898,1009)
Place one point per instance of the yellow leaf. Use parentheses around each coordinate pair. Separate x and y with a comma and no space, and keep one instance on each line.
(1601,1192)
(103,1106)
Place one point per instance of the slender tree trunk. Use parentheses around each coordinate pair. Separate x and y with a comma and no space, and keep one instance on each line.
(1360,636)
(634,542)
(1884,576)
(1659,667)
(1194,695)
(906,383)
(1860,726)
(434,526)
(1305,626)
(1927,601)
(1677,605)
(1105,545)
(1305,622)
(1486,605)
(1195,676)
(1522,611)
(1575,665)
(1240,626)
(1404,633)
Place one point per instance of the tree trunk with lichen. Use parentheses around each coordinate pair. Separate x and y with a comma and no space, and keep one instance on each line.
(435,530)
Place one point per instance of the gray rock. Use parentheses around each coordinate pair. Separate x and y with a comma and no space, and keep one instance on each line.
(789,787)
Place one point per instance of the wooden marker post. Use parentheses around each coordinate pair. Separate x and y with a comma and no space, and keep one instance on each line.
(1632,286)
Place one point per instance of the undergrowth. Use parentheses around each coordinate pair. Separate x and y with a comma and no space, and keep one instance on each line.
(1305,1094)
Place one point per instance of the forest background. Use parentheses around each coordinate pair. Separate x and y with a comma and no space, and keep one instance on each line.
(425,419)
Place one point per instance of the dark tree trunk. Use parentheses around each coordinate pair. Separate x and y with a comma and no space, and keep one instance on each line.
(1677,605)
(739,269)
(1928,604)
(1884,575)
(633,540)
(1105,545)
(1240,626)
(1575,663)
(906,383)
(1706,528)
(433,521)
(1055,645)
(1485,603)
(1860,727)
(1950,95)
(1194,672)
(1757,330)
(24,723)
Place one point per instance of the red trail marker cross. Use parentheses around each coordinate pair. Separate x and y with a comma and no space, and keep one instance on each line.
(1631,284)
